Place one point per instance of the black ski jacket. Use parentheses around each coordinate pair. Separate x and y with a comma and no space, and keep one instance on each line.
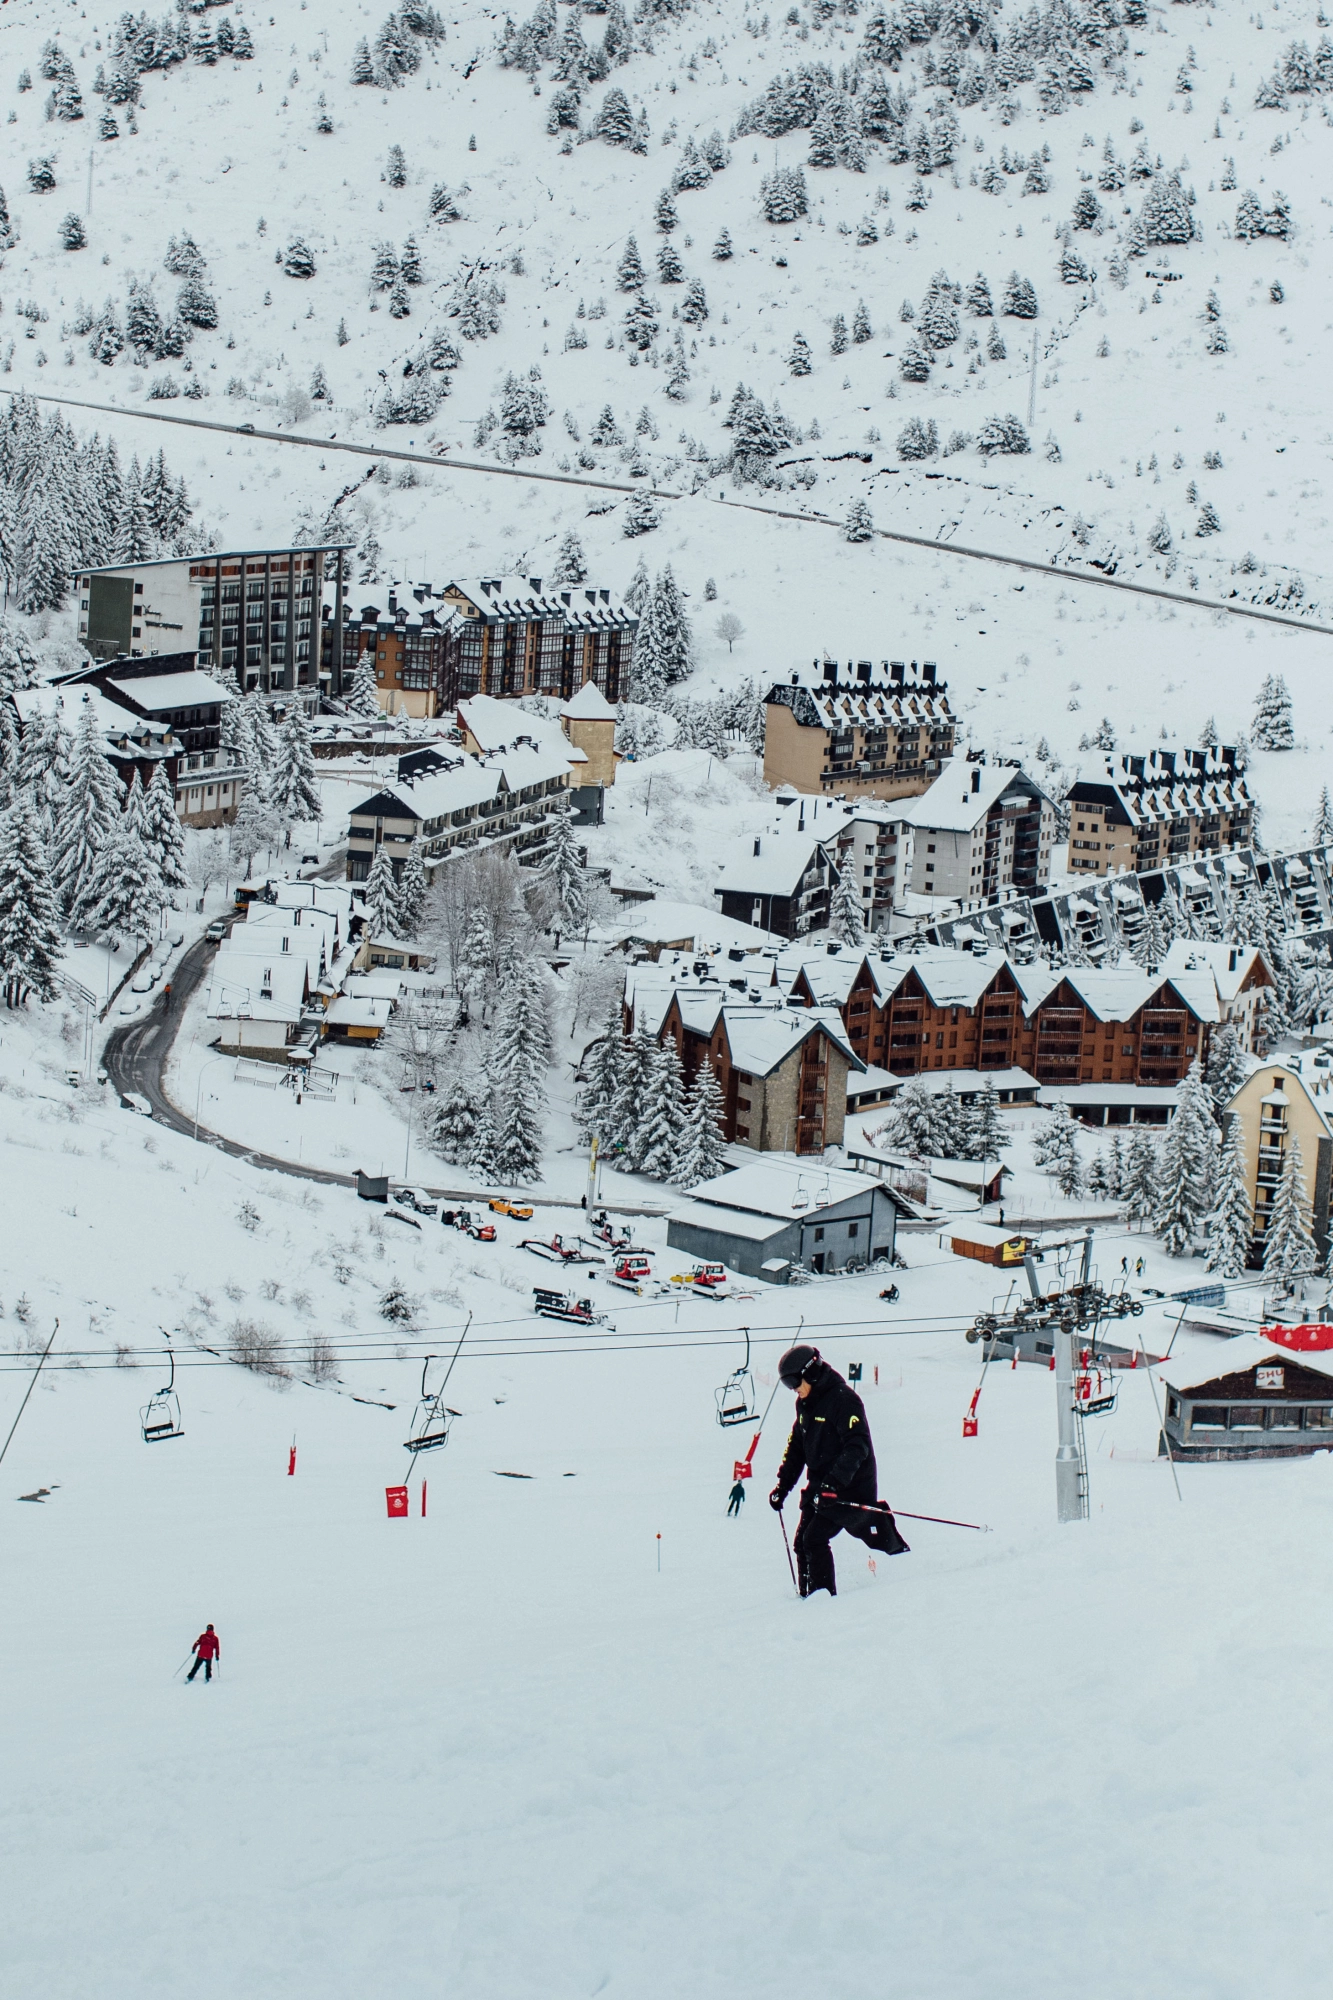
(830,1442)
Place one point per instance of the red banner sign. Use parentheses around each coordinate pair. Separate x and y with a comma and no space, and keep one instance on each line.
(396,1499)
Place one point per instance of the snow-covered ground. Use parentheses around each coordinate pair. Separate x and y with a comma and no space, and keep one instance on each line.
(497,1747)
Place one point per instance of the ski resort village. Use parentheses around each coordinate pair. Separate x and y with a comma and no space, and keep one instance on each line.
(666,957)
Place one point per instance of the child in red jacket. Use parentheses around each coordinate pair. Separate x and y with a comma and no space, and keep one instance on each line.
(206,1649)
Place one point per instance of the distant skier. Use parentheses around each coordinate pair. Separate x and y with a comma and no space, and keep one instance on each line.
(830,1443)
(206,1648)
(737,1498)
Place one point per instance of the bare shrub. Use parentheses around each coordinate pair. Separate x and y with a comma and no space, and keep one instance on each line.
(320,1364)
(253,1344)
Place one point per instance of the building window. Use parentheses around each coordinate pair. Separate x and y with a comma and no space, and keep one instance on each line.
(853,1228)
(819,1236)
(1209,1417)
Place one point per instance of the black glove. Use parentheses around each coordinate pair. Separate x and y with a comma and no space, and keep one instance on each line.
(776,1498)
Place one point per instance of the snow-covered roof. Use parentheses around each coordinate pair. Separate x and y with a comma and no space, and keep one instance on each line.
(1200,1365)
(735,1222)
(964,1082)
(158,692)
(1148,1096)
(695,928)
(349,1012)
(256,989)
(528,597)
(964,793)
(269,943)
(589,705)
(1120,991)
(494,724)
(783,1188)
(785,852)
(112,719)
(759,1038)
(1230,964)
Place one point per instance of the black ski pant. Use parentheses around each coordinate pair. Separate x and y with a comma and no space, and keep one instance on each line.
(814,1558)
(207,1666)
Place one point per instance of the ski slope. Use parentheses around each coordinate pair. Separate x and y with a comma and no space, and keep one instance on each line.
(495,1750)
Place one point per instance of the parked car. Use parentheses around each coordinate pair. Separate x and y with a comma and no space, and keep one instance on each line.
(217,930)
(175,938)
(310,861)
(502,1207)
(418,1200)
(143,980)
(134,1100)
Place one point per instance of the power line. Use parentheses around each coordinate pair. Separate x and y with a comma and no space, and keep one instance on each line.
(809,517)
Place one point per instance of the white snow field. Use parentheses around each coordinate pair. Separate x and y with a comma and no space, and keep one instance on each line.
(496,1751)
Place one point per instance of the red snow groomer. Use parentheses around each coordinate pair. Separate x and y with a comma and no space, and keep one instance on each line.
(631,1273)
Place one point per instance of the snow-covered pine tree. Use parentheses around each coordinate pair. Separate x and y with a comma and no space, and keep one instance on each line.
(253,826)
(43,763)
(663,1127)
(1188,1165)
(633,1090)
(859,525)
(1069,1168)
(703,1147)
(798,361)
(380,896)
(838,335)
(571,564)
(293,786)
(133,894)
(1229,1225)
(86,814)
(1289,1248)
(1140,1186)
(601,1079)
(914,1121)
(481,1157)
(1052,1136)
(1321,833)
(162,832)
(664,642)
(561,869)
(412,892)
(1227,1066)
(1115,1168)
(1098,1179)
(1272,715)
(989,1137)
(361,696)
(522,1034)
(30,945)
(454,1122)
(862,330)
(846,920)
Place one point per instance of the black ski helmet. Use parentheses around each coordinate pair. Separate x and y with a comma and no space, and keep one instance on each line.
(799,1364)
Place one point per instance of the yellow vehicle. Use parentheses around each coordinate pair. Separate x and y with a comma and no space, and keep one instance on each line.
(502,1207)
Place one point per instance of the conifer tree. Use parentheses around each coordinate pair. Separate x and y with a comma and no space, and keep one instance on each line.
(380,896)
(703,1146)
(361,697)
(862,330)
(561,868)
(633,1089)
(859,525)
(412,892)
(601,1072)
(481,1157)
(1229,1224)
(30,943)
(914,1121)
(845,910)
(1187,1168)
(1227,1066)
(670,270)
(1115,1168)
(522,1032)
(571,564)
(162,831)
(1140,1187)
(1272,715)
(87,813)
(663,1126)
(1289,1248)
(838,339)
(133,895)
(43,763)
(722,248)
(799,359)
(1321,833)
(988,1137)
(454,1122)
(293,786)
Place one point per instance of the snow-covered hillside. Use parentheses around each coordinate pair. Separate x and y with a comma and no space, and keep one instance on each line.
(1153,424)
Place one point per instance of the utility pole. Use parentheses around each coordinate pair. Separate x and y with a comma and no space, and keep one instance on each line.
(1068,1499)
(1032,391)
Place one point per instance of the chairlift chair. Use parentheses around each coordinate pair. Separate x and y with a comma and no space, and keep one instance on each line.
(1096,1390)
(737,1400)
(433,1419)
(160,1418)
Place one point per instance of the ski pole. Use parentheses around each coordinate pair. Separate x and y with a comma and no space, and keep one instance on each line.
(184,1663)
(790,1564)
(940,1520)
(31,1386)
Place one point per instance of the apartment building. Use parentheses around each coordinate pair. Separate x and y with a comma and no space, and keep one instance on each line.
(1273,1108)
(519,637)
(858,734)
(413,652)
(253,613)
(1157,810)
(507,800)
(981,829)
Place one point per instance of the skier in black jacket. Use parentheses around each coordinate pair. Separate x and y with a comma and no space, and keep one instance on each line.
(830,1443)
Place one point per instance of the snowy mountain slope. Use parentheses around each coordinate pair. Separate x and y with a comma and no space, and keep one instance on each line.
(496,1748)
(221,149)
